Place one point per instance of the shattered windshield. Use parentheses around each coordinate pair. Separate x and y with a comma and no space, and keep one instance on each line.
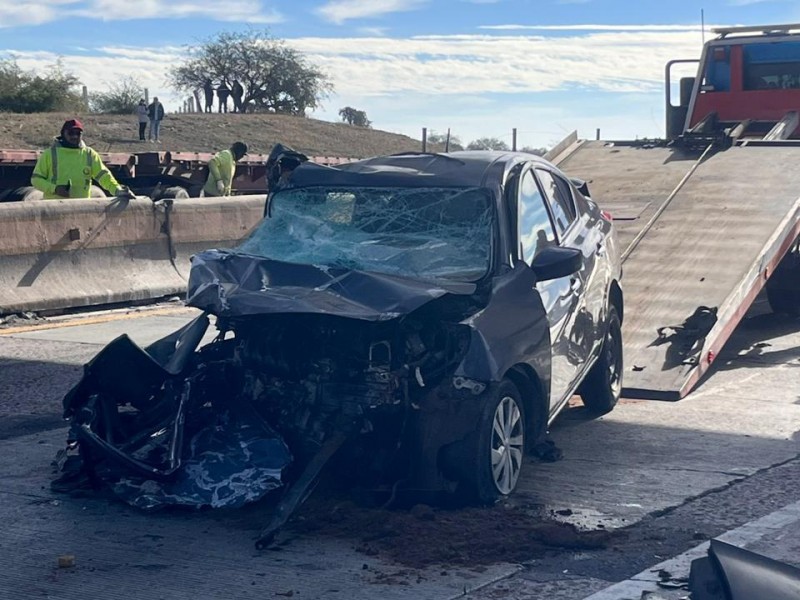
(424,233)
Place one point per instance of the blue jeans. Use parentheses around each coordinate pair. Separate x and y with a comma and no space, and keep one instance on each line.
(155,125)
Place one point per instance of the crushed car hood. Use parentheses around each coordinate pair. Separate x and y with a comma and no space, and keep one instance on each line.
(228,284)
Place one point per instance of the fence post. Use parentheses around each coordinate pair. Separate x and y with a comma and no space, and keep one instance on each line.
(514,139)
(424,139)
(85,97)
(597,134)
(196,95)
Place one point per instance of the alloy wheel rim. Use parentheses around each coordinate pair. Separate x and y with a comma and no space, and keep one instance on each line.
(507,445)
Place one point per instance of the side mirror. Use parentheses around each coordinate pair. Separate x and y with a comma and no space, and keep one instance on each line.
(554,262)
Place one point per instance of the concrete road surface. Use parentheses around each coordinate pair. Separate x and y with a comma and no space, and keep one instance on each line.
(660,477)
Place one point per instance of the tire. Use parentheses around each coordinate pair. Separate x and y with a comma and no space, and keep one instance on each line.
(602,386)
(176,192)
(783,287)
(21,194)
(498,446)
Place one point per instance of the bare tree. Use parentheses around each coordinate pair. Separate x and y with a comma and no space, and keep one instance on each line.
(275,78)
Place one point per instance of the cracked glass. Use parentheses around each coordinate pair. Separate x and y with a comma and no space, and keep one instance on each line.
(422,233)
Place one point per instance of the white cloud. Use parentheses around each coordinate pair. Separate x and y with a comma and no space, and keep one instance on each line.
(38,12)
(15,13)
(499,64)
(339,11)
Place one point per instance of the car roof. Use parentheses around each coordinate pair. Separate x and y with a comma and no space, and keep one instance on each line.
(469,168)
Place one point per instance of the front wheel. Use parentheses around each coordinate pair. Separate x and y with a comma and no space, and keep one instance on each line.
(499,444)
(602,387)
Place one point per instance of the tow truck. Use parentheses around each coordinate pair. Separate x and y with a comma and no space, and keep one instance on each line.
(710,215)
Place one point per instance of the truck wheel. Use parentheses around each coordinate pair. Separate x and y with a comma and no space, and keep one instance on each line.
(603,384)
(783,288)
(497,448)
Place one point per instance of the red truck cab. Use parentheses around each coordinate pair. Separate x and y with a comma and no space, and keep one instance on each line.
(747,84)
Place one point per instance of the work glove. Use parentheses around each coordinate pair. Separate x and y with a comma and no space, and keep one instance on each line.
(124,193)
(62,190)
(221,188)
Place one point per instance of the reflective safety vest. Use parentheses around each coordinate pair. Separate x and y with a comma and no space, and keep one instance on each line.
(76,167)
(220,168)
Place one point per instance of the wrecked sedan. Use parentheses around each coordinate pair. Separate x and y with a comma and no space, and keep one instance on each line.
(424,316)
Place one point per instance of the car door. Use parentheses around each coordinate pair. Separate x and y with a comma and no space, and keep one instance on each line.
(536,231)
(586,285)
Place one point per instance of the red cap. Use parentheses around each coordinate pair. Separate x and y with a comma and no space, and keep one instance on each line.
(72,124)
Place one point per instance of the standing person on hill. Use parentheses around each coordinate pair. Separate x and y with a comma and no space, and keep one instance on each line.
(208,91)
(222,168)
(67,169)
(155,112)
(223,91)
(141,115)
(237,91)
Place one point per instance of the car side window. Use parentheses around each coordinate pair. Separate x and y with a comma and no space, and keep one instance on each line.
(559,196)
(535,229)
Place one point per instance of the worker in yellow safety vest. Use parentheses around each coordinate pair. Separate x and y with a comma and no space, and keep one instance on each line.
(222,168)
(67,169)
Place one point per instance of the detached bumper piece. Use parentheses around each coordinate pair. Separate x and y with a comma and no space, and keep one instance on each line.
(158,429)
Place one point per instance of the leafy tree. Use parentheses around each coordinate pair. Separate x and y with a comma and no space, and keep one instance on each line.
(121,98)
(275,78)
(487,144)
(441,138)
(26,92)
(353,116)
(537,151)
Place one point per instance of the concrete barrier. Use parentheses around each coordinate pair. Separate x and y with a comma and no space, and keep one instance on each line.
(59,254)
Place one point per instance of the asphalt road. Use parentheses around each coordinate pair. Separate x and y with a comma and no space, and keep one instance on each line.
(660,477)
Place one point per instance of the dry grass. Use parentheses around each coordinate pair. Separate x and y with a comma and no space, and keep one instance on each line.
(208,133)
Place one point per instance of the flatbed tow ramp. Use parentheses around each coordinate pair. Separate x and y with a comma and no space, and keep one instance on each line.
(700,232)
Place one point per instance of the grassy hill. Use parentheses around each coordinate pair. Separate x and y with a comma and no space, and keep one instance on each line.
(207,133)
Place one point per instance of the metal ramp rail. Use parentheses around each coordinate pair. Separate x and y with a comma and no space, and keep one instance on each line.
(700,234)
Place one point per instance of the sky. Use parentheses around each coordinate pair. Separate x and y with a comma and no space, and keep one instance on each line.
(481,68)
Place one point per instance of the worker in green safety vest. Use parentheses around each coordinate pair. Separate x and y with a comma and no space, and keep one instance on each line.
(222,168)
(67,169)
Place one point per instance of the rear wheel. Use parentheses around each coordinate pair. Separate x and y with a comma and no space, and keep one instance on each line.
(499,445)
(783,288)
(603,385)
